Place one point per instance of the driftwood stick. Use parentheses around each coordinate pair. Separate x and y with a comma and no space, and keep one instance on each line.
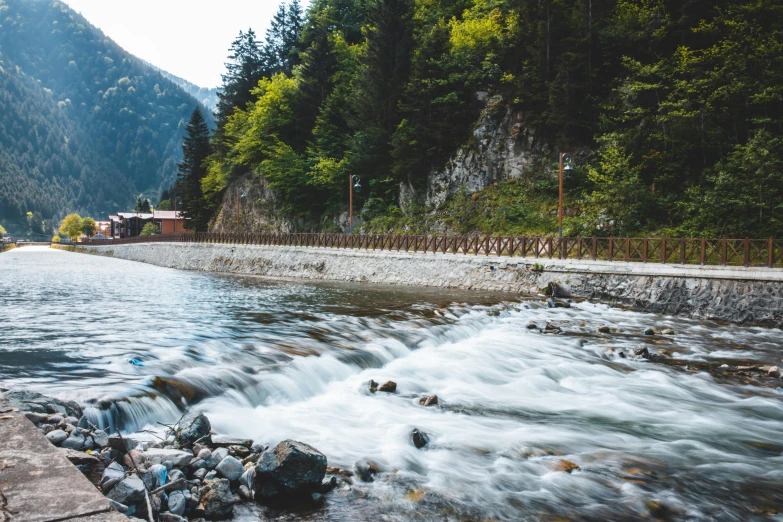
(149,506)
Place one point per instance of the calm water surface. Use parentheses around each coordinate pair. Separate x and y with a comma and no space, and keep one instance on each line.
(668,440)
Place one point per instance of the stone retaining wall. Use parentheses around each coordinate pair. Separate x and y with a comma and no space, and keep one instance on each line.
(735,294)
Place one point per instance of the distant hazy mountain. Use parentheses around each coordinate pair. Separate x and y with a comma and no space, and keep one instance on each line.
(207,96)
(84,125)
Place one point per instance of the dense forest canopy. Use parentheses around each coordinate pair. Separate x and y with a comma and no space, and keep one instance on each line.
(84,126)
(674,109)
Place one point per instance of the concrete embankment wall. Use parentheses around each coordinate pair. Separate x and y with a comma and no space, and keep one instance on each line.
(735,294)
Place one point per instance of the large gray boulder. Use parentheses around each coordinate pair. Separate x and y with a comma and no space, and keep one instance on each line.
(290,470)
(217,501)
(128,491)
(35,402)
(193,426)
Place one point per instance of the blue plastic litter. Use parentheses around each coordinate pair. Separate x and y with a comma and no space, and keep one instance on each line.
(136,362)
(159,473)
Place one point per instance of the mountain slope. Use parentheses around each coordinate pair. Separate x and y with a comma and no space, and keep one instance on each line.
(207,96)
(121,119)
(47,163)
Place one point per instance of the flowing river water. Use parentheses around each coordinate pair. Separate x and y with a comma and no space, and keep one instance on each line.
(532,424)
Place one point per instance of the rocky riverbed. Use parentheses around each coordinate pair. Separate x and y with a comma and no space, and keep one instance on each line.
(189,474)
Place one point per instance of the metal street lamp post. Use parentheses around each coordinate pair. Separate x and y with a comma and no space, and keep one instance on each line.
(564,158)
(353,185)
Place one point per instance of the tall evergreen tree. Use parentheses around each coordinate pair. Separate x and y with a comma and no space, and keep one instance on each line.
(195,150)
(379,87)
(282,45)
(245,68)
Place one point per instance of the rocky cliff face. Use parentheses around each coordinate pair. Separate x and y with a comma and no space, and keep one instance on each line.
(250,206)
(502,147)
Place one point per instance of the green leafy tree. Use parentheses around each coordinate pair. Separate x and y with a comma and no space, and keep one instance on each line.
(2,231)
(89,227)
(148,229)
(71,226)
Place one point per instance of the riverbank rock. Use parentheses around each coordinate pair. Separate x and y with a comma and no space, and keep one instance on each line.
(177,458)
(230,468)
(75,441)
(79,458)
(193,427)
(773,371)
(57,437)
(113,474)
(38,403)
(432,400)
(128,491)
(217,501)
(291,470)
(222,441)
(604,329)
(121,444)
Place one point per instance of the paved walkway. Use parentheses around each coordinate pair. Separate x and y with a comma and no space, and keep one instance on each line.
(38,483)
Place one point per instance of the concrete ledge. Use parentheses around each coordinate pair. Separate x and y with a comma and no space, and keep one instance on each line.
(39,483)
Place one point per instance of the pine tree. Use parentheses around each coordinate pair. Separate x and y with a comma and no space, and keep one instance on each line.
(195,149)
(380,85)
(282,45)
(245,68)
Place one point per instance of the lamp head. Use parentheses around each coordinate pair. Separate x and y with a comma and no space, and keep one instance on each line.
(357,186)
(568,167)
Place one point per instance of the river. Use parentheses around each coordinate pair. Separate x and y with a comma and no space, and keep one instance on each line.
(674,438)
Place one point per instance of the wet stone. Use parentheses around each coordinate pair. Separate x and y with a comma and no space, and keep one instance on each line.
(57,437)
(643,352)
(36,418)
(116,443)
(290,469)
(224,441)
(193,427)
(113,474)
(217,501)
(419,438)
(604,329)
(431,400)
(230,468)
(177,502)
(531,326)
(649,331)
(75,441)
(128,491)
(366,469)
(388,387)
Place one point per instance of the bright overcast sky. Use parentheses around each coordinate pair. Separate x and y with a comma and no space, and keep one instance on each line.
(188,38)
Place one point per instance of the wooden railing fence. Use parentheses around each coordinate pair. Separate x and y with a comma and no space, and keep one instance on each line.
(697,251)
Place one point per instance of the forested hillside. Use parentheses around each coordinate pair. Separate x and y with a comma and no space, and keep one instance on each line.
(672,111)
(84,126)
(206,95)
